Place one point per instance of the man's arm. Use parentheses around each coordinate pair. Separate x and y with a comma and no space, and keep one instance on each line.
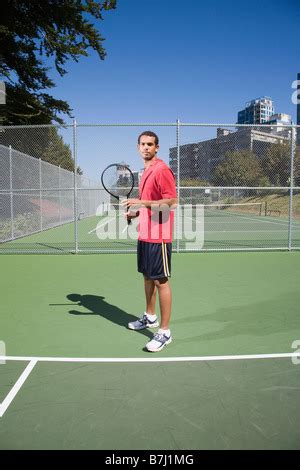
(136,204)
(172,202)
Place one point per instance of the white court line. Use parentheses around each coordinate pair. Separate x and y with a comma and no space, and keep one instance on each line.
(11,395)
(247,231)
(233,231)
(126,227)
(150,359)
(102,225)
(33,360)
(245,220)
(243,231)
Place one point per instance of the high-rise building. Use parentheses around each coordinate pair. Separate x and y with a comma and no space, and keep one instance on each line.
(257,111)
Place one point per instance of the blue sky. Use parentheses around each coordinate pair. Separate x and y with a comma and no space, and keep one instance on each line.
(197,61)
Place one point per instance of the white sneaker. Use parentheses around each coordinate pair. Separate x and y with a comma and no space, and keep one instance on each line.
(158,342)
(143,322)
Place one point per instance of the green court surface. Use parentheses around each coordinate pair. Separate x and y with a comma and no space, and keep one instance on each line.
(72,376)
(219,230)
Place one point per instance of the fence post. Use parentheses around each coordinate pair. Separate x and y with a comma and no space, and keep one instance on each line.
(291,187)
(178,182)
(11,193)
(41,198)
(75,185)
(59,193)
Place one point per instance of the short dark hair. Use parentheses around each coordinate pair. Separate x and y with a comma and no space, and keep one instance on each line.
(149,134)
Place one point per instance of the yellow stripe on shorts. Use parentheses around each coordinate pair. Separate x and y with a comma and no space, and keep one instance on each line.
(165,259)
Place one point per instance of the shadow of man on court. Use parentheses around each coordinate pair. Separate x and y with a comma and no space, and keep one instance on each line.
(98,306)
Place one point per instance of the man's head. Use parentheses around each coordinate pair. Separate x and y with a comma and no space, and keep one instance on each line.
(149,134)
(148,145)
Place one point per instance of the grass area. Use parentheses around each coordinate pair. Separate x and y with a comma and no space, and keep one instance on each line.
(275,204)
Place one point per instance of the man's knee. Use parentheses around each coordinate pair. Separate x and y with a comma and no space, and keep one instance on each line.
(161,282)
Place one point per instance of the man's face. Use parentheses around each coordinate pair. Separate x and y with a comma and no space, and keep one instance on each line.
(147,147)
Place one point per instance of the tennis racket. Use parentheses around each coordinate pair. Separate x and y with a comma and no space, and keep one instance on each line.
(118,180)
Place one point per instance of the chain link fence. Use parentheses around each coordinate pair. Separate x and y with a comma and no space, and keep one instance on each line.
(238,186)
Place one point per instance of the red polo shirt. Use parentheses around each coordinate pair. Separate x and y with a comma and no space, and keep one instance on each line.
(157,182)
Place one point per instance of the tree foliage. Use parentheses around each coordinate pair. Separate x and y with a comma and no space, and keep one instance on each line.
(193,182)
(32,30)
(44,143)
(242,167)
(23,107)
(277,163)
(246,169)
(297,167)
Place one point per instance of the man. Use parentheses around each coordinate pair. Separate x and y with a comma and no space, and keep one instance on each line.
(157,192)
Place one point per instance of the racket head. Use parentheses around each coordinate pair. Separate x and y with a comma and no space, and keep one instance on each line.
(117,179)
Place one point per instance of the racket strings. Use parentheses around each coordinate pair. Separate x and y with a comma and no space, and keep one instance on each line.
(118,181)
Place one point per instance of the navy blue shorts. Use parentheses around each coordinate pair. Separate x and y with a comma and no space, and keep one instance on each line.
(154,259)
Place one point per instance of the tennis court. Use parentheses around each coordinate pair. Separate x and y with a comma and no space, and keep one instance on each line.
(72,376)
(217,227)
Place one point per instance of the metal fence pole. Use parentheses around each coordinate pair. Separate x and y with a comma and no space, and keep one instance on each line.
(75,185)
(178,182)
(59,193)
(11,193)
(41,199)
(291,188)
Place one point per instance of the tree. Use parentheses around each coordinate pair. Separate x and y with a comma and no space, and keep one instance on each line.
(277,164)
(297,167)
(31,30)
(193,182)
(23,107)
(238,169)
(40,142)
(57,152)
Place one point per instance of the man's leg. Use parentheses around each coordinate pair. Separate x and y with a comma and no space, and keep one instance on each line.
(149,319)
(163,336)
(150,293)
(165,301)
